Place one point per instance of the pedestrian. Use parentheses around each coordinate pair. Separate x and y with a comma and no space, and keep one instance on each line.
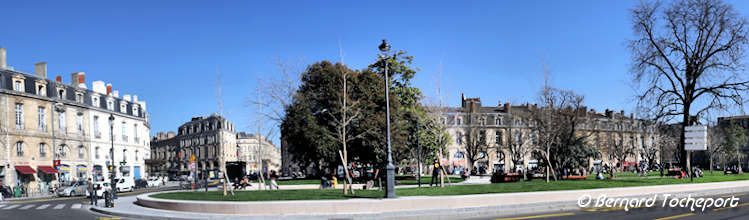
(370,175)
(92,192)
(435,173)
(273,178)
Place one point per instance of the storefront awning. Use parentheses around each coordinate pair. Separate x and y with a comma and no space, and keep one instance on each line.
(48,169)
(25,170)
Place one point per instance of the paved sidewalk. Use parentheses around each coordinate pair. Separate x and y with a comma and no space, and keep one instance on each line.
(414,207)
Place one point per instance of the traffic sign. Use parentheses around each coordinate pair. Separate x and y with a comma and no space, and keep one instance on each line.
(695,137)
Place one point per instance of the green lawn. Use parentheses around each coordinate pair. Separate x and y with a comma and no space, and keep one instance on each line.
(400,180)
(522,186)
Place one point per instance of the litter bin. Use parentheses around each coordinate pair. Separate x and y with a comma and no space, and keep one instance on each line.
(17,191)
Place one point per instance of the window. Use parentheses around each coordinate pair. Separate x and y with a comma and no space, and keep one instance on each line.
(124,155)
(42,150)
(63,151)
(135,132)
(96,152)
(517,122)
(498,121)
(19,149)
(81,152)
(19,116)
(482,155)
(459,121)
(459,138)
(42,119)
(458,155)
(483,121)
(41,89)
(61,92)
(136,155)
(110,105)
(79,97)
(97,133)
(498,137)
(18,85)
(443,121)
(95,101)
(61,120)
(135,110)
(124,132)
(79,123)
(482,136)
(123,107)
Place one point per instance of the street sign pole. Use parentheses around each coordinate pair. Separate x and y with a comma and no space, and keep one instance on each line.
(695,139)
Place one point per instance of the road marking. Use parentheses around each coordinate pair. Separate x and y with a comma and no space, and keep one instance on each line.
(729,207)
(26,207)
(737,195)
(44,200)
(43,206)
(675,216)
(59,206)
(76,206)
(537,216)
(11,207)
(2,206)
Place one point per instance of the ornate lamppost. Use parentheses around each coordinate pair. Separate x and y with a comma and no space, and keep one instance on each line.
(390,189)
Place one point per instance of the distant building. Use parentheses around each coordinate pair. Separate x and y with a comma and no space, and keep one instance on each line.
(258,157)
(507,124)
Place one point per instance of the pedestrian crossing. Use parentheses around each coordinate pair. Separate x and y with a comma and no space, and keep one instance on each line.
(41,206)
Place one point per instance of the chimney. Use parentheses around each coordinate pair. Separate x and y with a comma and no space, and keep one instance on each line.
(116,93)
(58,79)
(135,98)
(82,80)
(40,69)
(109,88)
(622,113)
(74,79)
(126,97)
(3,61)
(507,107)
(99,87)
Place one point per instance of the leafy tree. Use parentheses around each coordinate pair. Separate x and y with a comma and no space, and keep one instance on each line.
(735,137)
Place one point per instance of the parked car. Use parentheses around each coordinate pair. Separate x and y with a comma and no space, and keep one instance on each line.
(125,184)
(101,188)
(77,189)
(154,182)
(141,183)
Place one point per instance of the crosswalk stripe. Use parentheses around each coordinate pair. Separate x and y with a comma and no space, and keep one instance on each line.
(43,206)
(2,206)
(26,207)
(76,206)
(11,207)
(59,206)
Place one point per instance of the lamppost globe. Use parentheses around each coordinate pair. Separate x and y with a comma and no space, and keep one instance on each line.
(384,46)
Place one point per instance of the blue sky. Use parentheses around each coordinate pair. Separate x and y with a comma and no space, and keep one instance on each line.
(168,52)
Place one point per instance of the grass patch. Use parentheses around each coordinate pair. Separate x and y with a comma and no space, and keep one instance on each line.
(522,186)
(400,180)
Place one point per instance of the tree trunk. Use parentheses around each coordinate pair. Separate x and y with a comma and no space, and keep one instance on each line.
(682,152)
(711,164)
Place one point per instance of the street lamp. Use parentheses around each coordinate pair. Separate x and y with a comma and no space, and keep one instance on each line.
(390,189)
(113,172)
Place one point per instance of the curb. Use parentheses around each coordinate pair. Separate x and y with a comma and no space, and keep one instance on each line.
(454,213)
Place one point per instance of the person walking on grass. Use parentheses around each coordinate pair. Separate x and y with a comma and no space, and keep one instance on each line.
(273,178)
(435,173)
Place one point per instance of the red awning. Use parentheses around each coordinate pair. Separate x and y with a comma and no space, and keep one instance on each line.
(48,169)
(25,170)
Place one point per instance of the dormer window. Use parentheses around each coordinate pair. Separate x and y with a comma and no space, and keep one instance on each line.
(41,88)
(135,110)
(123,107)
(61,92)
(110,105)
(95,101)
(18,83)
(79,97)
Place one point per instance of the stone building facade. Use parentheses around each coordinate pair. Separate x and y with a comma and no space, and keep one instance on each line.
(259,153)
(507,124)
(49,134)
(210,139)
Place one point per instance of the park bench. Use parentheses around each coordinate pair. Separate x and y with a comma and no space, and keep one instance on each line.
(574,177)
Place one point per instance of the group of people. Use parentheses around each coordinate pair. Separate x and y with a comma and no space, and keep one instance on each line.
(272,178)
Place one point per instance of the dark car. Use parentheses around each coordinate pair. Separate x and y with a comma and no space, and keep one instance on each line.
(141,183)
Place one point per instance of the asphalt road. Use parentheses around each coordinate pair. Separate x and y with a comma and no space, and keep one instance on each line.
(55,209)
(657,212)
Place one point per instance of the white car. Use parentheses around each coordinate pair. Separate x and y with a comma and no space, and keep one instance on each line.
(100,187)
(125,184)
(153,182)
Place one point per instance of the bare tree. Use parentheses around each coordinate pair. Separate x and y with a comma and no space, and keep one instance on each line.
(517,147)
(715,136)
(476,143)
(617,145)
(687,58)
